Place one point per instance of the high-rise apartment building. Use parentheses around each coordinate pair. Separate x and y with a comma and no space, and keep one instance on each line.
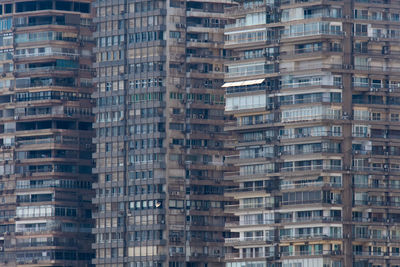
(45,133)
(160,120)
(315,89)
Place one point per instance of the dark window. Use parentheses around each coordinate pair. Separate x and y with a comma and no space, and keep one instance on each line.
(8,9)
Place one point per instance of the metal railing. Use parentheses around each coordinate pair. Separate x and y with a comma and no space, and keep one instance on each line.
(75,56)
(312,168)
(311,33)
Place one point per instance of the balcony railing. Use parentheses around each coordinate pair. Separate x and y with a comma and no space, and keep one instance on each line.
(308,84)
(312,117)
(47,244)
(285,221)
(374,169)
(291,2)
(315,201)
(310,184)
(309,236)
(249,239)
(250,206)
(248,255)
(374,1)
(306,100)
(312,151)
(75,56)
(379,203)
(376,68)
(312,168)
(47,69)
(205,25)
(250,189)
(375,253)
(310,253)
(311,33)
(319,134)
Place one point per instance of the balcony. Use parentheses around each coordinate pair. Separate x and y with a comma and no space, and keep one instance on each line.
(307,100)
(310,253)
(312,168)
(311,151)
(48,243)
(285,221)
(315,66)
(320,134)
(254,255)
(251,71)
(191,42)
(308,84)
(377,69)
(379,2)
(377,203)
(375,186)
(292,2)
(315,201)
(374,169)
(310,184)
(311,118)
(233,191)
(250,223)
(243,89)
(41,70)
(47,140)
(375,254)
(254,239)
(310,33)
(310,236)
(47,54)
(205,25)
(256,206)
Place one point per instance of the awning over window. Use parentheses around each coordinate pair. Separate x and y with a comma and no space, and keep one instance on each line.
(243,83)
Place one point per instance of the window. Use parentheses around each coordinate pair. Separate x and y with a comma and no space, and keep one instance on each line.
(361,29)
(336,130)
(376,116)
(174,34)
(8,8)
(360,130)
(245,102)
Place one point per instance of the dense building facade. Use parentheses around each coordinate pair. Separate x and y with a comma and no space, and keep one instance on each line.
(314,87)
(45,133)
(160,117)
